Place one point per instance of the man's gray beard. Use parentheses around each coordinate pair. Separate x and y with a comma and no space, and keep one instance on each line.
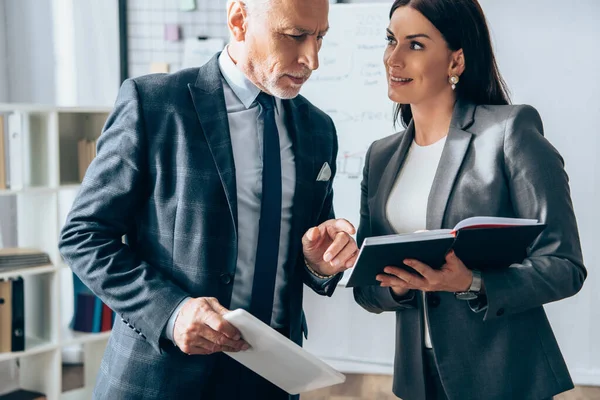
(271,86)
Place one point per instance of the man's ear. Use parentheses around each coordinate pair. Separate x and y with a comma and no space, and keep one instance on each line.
(457,63)
(236,20)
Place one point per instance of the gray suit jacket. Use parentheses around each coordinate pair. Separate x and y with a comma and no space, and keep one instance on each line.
(495,162)
(165,177)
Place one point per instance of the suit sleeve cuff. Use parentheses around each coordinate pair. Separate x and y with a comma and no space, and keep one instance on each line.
(170,327)
(479,304)
(390,301)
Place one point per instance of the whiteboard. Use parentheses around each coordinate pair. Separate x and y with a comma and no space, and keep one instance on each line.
(350,85)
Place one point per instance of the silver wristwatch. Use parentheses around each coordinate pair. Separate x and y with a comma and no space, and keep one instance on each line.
(474,290)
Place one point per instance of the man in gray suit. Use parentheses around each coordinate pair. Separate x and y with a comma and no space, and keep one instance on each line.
(221,179)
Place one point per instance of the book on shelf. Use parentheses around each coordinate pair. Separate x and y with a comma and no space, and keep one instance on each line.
(19,257)
(5,316)
(481,243)
(14,127)
(4,124)
(12,315)
(89,313)
(86,151)
(22,394)
(3,184)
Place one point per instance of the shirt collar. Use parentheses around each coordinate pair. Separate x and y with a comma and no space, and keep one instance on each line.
(243,88)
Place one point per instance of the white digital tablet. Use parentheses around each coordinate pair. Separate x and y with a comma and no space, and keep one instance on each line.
(278,359)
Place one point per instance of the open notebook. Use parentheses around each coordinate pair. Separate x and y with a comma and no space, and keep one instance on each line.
(483,243)
(278,359)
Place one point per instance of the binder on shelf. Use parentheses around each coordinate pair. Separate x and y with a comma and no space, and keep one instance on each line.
(15,150)
(86,152)
(6,153)
(107,318)
(5,316)
(3,183)
(97,315)
(18,315)
(90,315)
(83,306)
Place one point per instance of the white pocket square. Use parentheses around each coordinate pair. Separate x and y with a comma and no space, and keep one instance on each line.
(325,173)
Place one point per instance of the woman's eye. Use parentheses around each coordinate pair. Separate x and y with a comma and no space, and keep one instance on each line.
(390,40)
(416,46)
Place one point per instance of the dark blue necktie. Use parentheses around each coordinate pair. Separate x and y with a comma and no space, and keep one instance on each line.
(267,251)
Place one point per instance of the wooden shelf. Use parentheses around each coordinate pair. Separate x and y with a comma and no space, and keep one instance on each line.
(32,346)
(45,179)
(70,337)
(29,271)
(76,394)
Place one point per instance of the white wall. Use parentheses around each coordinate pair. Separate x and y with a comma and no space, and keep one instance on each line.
(145,23)
(96,24)
(63,52)
(30,53)
(3,65)
(559,45)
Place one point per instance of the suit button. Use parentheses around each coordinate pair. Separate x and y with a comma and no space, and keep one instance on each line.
(226,279)
(500,312)
(433,300)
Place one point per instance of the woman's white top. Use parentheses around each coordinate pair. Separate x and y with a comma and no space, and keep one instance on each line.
(406,207)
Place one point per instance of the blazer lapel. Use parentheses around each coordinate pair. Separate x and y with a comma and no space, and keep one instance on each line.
(455,149)
(389,177)
(209,102)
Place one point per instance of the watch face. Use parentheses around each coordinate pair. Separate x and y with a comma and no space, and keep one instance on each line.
(466,296)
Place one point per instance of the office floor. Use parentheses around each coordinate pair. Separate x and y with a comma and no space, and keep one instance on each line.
(356,387)
(379,387)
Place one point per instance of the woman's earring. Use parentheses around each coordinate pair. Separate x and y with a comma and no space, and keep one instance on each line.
(453,81)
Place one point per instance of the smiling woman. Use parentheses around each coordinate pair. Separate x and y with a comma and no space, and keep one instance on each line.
(446,40)
(466,153)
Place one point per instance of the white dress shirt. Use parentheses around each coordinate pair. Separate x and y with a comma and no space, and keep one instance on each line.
(246,129)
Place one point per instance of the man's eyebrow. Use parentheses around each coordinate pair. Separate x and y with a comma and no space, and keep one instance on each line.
(303,31)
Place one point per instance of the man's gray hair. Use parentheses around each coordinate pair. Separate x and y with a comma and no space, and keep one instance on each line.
(255,6)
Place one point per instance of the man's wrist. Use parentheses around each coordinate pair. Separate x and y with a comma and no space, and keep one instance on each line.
(315,273)
(170,327)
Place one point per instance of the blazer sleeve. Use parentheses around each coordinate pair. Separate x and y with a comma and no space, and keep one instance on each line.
(375,299)
(324,287)
(115,184)
(539,188)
